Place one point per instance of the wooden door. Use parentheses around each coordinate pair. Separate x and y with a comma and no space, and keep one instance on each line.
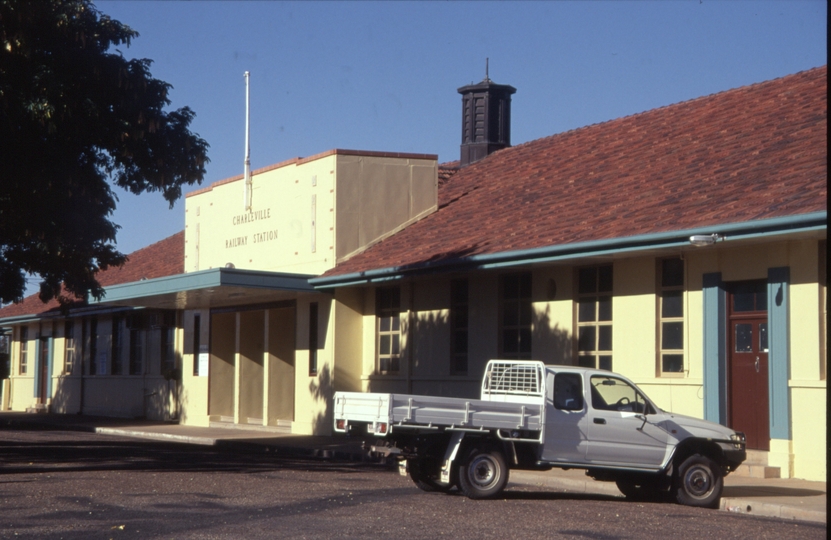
(748,363)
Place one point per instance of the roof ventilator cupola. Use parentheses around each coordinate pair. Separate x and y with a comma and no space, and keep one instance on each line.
(486,119)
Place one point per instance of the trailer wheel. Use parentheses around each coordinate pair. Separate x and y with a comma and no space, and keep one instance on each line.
(483,474)
(699,482)
(423,472)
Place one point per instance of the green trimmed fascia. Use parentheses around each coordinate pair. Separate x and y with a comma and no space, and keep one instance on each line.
(731,231)
(205,279)
(84,311)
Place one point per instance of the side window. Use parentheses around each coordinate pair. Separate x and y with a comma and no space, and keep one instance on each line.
(613,394)
(568,392)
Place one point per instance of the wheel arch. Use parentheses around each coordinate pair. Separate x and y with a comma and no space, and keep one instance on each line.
(704,447)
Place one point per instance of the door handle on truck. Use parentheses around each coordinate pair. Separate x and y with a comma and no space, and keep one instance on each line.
(599,420)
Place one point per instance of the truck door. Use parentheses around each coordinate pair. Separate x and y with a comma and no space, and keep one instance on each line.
(565,418)
(616,434)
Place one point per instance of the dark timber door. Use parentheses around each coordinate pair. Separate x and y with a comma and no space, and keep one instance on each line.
(748,362)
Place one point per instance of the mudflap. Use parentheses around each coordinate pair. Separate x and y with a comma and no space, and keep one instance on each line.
(450,456)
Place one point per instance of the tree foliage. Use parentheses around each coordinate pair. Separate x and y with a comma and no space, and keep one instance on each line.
(76,117)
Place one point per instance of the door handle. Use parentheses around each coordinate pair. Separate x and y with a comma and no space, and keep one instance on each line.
(757,364)
(599,420)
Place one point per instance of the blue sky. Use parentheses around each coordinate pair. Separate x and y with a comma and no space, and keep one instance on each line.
(383,75)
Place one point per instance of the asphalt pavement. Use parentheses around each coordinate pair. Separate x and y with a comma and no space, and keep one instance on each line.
(784,498)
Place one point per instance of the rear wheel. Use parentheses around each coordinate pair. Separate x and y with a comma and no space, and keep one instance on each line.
(483,473)
(424,472)
(699,482)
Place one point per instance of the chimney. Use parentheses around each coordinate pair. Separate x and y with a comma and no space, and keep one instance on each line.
(486,119)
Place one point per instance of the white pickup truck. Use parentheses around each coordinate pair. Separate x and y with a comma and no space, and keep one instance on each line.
(536,416)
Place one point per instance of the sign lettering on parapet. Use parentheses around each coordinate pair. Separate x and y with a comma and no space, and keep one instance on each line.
(258,237)
(254,215)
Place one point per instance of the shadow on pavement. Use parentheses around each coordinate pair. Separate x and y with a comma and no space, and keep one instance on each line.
(96,453)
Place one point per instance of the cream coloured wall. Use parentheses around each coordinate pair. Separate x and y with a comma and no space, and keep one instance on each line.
(194,392)
(290,227)
(553,337)
(313,392)
(378,195)
(306,212)
(348,308)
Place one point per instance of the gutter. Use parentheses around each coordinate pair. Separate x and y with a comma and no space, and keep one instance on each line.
(814,221)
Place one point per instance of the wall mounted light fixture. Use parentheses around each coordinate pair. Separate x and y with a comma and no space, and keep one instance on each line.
(699,240)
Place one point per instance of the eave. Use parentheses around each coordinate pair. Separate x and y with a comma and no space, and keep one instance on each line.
(732,232)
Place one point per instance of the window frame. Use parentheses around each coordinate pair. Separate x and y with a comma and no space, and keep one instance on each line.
(595,297)
(70,347)
(136,352)
(23,351)
(662,288)
(93,346)
(314,321)
(516,316)
(117,328)
(459,326)
(388,306)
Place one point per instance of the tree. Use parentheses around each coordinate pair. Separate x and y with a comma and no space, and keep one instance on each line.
(75,117)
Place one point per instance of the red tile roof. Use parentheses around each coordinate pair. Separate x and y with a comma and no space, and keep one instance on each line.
(745,154)
(164,258)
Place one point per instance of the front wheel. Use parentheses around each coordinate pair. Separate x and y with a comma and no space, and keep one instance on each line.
(483,474)
(699,482)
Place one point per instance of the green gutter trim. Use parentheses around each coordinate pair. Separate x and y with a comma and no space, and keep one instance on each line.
(204,279)
(731,231)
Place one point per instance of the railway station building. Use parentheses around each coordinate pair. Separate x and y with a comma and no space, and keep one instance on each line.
(684,247)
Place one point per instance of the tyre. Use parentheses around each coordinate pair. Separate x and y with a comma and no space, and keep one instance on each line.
(424,472)
(641,489)
(699,482)
(483,473)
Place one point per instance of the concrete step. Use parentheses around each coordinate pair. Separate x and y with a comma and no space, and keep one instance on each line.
(38,409)
(750,470)
(756,466)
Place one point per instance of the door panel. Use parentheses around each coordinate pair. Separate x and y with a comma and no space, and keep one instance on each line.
(749,381)
(616,434)
(566,418)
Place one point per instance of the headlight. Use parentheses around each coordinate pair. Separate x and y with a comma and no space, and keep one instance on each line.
(739,440)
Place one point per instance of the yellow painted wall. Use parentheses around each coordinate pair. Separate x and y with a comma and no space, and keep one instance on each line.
(194,392)
(279,234)
(306,212)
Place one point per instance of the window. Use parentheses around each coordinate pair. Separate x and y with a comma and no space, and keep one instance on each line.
(671,316)
(116,343)
(24,349)
(515,317)
(167,344)
(388,313)
(93,346)
(196,335)
(313,321)
(568,392)
(69,347)
(594,317)
(613,394)
(458,326)
(137,351)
